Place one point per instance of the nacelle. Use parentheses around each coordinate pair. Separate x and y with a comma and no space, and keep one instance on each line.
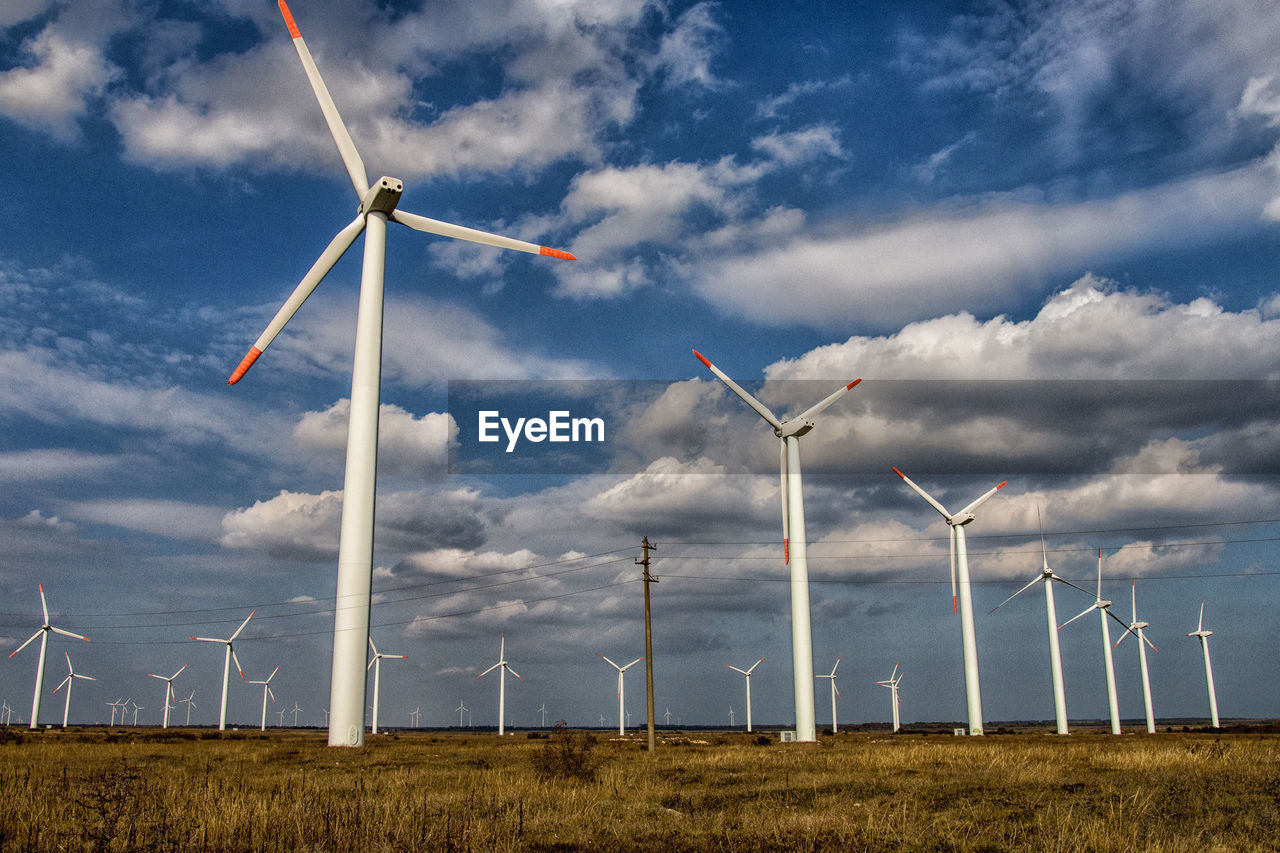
(383,196)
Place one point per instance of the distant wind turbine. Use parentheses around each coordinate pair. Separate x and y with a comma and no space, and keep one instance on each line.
(835,692)
(67,682)
(190,702)
(1047,577)
(226,665)
(1103,606)
(747,673)
(892,683)
(543,712)
(296,709)
(503,668)
(43,634)
(1136,628)
(461,707)
(731,723)
(266,692)
(375,663)
(961,589)
(622,713)
(1203,635)
(378,206)
(168,692)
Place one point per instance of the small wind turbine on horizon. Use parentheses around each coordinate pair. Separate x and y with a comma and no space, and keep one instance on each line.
(1047,577)
(114,705)
(1103,606)
(1203,635)
(67,682)
(375,663)
(190,702)
(226,665)
(962,591)
(835,692)
(378,206)
(168,692)
(543,712)
(794,541)
(296,709)
(43,634)
(136,709)
(892,683)
(461,707)
(622,713)
(266,692)
(745,672)
(1135,627)
(502,683)
(731,723)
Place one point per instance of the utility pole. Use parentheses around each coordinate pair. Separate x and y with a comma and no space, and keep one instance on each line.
(648,641)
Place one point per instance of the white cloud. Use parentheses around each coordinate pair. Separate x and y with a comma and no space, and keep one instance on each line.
(407,444)
(686,52)
(167,518)
(53,91)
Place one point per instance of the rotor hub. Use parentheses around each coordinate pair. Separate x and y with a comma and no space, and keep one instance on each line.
(383,196)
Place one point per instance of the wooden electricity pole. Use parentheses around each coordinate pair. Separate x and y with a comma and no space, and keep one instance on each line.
(648,641)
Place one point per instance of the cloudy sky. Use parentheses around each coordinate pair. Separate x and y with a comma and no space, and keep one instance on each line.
(1044,234)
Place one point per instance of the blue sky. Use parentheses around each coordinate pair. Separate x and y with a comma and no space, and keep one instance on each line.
(1075,206)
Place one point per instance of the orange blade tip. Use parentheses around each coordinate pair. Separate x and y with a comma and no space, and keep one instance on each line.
(240,371)
(854,382)
(955,608)
(288,19)
(553,253)
(896,471)
(702,358)
(1002,485)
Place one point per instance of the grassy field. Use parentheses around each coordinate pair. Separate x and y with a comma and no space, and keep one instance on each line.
(189,790)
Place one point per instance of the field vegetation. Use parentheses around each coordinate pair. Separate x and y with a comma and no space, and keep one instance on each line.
(100,790)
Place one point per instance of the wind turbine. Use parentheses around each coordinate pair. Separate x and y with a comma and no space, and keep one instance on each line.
(1047,577)
(72,674)
(1203,636)
(622,718)
(5,711)
(295,709)
(1103,606)
(746,672)
(461,707)
(731,723)
(266,691)
(136,709)
(794,543)
(415,715)
(226,665)
(502,683)
(1135,628)
(892,683)
(190,702)
(543,712)
(378,205)
(668,714)
(168,692)
(114,705)
(835,691)
(43,634)
(375,663)
(962,591)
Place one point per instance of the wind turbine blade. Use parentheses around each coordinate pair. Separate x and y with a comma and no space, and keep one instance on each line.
(44,606)
(273,674)
(153,675)
(611,663)
(1149,643)
(980,501)
(1084,612)
(269,693)
(782,490)
(27,643)
(239,668)
(516,674)
(179,672)
(242,624)
(1127,631)
(374,660)
(922,493)
(68,634)
(208,639)
(1200,624)
(955,607)
(1070,584)
(333,252)
(753,666)
(814,410)
(1119,621)
(350,156)
(372,646)
(1033,582)
(760,408)
(1134,594)
(833,669)
(633,663)
(1044,554)
(489,670)
(473,235)
(735,669)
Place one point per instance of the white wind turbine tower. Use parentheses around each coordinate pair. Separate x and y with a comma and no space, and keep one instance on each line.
(794,542)
(622,714)
(136,709)
(114,705)
(543,712)
(892,683)
(461,707)
(1103,606)
(1047,577)
(43,634)
(502,683)
(226,665)
(731,723)
(961,589)
(378,205)
(375,663)
(747,673)
(835,691)
(168,692)
(71,675)
(1204,636)
(1136,628)
(266,692)
(296,708)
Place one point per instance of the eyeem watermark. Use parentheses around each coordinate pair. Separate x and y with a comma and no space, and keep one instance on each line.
(559,427)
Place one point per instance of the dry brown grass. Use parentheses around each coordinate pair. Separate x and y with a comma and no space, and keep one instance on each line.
(288,791)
